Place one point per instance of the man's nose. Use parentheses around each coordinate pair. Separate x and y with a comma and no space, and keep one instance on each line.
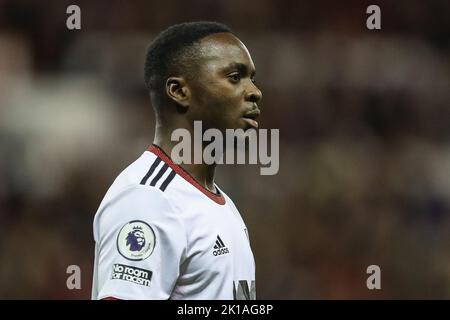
(254,94)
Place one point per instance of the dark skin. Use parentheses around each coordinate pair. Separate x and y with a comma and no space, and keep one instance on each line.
(222,94)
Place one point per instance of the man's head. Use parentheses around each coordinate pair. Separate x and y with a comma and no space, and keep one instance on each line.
(201,71)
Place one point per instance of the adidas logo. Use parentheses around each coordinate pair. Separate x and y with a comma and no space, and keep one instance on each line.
(220,248)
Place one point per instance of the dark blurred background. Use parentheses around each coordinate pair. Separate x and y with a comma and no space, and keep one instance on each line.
(364,119)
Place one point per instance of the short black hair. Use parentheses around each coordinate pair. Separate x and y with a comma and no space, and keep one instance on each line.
(172,52)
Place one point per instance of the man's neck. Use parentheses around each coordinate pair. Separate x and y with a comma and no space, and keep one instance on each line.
(203,173)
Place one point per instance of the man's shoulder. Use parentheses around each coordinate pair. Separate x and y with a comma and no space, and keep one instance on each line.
(148,170)
(144,178)
(134,173)
(131,197)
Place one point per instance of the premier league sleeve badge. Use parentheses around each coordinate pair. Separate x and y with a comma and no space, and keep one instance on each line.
(136,240)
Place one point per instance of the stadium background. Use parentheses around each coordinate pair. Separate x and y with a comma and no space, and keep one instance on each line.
(364,119)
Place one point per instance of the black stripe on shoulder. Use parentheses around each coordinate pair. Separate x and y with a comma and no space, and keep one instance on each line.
(151,170)
(159,175)
(168,180)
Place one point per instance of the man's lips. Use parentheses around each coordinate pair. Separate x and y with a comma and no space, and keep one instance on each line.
(250,118)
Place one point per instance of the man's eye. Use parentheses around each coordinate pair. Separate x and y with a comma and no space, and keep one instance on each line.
(234,77)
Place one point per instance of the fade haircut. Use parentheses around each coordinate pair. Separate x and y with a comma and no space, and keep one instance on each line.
(173,52)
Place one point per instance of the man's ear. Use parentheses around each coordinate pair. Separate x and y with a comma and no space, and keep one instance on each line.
(178,91)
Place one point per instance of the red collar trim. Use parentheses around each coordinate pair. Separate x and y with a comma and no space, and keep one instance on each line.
(217,198)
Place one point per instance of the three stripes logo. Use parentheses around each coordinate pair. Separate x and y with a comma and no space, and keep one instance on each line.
(155,175)
(220,248)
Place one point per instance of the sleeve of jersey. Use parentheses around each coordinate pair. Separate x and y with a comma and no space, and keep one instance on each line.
(141,244)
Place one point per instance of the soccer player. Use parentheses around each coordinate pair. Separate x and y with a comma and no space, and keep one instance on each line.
(166,231)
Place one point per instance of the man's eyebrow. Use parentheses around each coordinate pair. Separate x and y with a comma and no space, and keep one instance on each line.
(241,67)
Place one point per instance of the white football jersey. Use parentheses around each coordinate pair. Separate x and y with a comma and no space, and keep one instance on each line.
(160,235)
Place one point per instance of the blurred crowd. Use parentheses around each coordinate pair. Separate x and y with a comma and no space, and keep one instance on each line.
(364,119)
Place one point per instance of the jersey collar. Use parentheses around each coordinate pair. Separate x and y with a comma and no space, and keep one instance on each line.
(216,197)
